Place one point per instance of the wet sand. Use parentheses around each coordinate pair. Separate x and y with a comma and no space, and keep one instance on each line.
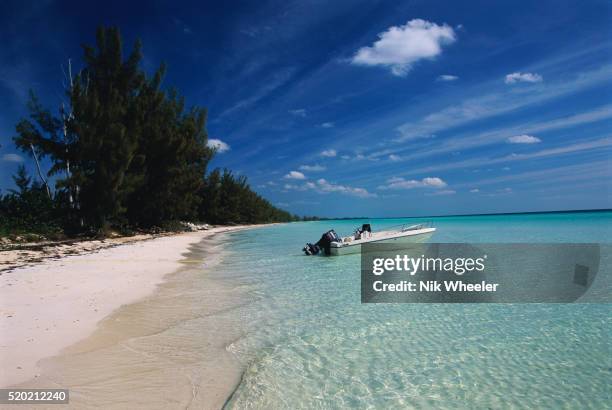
(163,348)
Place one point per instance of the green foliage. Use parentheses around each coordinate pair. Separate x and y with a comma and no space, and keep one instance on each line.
(22,181)
(229,199)
(28,209)
(173,160)
(106,127)
(126,153)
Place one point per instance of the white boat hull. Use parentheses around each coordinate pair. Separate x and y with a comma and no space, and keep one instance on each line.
(399,238)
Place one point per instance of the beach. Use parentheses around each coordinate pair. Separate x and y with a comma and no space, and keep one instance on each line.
(60,316)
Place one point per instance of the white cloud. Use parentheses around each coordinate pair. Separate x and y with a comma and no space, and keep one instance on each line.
(468,140)
(304,187)
(587,145)
(327,125)
(502,191)
(274,81)
(442,192)
(298,112)
(434,182)
(523,78)
(329,153)
(218,145)
(12,158)
(401,183)
(412,135)
(401,46)
(598,114)
(361,157)
(557,177)
(312,168)
(295,175)
(394,157)
(523,139)
(322,186)
(483,161)
(475,190)
(447,77)
(326,186)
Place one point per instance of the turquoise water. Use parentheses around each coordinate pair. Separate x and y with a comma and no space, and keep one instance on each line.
(308,342)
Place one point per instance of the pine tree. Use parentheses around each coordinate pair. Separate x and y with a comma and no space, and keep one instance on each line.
(108,123)
(22,181)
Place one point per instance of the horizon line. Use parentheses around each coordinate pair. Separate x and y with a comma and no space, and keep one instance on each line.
(478,214)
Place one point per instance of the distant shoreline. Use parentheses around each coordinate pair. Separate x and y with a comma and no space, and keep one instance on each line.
(572,211)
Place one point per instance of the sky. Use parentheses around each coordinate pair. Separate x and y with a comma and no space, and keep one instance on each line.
(360,108)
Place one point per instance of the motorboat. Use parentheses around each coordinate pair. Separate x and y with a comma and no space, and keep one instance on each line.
(331,244)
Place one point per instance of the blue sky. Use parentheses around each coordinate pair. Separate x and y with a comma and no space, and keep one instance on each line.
(362,108)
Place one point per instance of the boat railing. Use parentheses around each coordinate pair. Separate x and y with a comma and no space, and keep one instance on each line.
(416,227)
(410,227)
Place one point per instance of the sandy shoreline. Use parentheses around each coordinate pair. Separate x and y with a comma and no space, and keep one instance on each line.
(18,255)
(52,305)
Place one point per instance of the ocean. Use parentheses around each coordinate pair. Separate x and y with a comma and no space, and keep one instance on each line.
(306,341)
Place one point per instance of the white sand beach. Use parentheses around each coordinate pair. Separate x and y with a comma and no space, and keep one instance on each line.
(52,305)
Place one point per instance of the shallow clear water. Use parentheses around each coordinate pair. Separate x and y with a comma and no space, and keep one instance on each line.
(308,342)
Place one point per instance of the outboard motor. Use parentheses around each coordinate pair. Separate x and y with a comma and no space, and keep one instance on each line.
(324,243)
(311,249)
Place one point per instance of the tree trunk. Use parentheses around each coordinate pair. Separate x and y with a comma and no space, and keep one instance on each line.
(40,174)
